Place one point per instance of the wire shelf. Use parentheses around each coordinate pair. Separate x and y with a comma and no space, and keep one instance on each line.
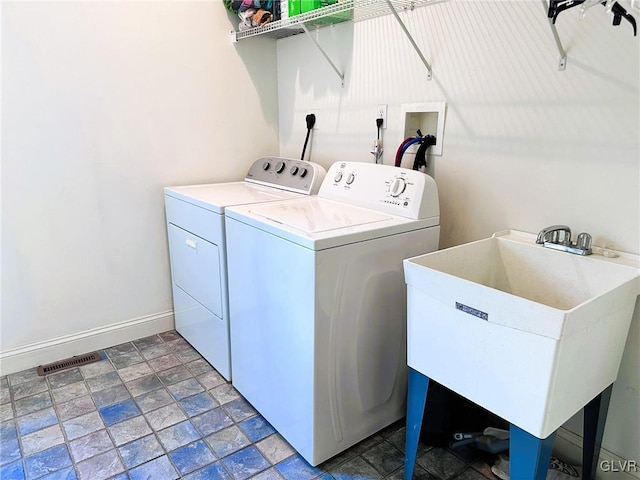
(347,10)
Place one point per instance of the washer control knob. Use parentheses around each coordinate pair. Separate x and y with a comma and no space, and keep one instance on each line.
(294,170)
(280,167)
(397,187)
(350,178)
(338,177)
(303,172)
(266,165)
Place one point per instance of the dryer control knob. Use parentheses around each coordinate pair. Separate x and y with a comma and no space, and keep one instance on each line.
(303,172)
(350,178)
(280,167)
(293,170)
(338,177)
(397,187)
(266,165)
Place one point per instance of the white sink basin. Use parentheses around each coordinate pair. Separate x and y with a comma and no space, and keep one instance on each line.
(530,333)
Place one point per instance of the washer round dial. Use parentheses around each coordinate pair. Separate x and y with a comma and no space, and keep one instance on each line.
(266,165)
(338,177)
(280,167)
(293,170)
(303,172)
(350,178)
(398,186)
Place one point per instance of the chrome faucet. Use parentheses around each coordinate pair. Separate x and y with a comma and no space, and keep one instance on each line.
(558,237)
(552,234)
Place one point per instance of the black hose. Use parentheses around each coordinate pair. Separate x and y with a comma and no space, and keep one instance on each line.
(421,154)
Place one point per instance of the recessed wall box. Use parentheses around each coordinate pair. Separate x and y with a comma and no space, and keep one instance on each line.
(428,118)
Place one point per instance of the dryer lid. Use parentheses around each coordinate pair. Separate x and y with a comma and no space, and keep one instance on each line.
(217,196)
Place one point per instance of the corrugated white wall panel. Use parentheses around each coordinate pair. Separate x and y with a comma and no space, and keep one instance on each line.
(525,145)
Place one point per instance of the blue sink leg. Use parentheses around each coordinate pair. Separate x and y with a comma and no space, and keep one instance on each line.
(416,398)
(528,455)
(595,415)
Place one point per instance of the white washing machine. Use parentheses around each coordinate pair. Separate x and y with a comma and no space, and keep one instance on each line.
(318,303)
(196,233)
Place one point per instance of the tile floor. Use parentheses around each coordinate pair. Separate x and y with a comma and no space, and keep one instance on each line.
(154,409)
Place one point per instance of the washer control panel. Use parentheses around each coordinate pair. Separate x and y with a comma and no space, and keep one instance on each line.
(287,174)
(385,188)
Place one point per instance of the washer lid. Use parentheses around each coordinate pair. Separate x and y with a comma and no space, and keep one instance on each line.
(217,196)
(315,217)
(318,223)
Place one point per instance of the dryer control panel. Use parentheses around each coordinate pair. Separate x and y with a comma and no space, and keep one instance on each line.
(287,174)
(394,190)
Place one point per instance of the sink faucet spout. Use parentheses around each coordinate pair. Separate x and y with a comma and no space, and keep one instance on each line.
(558,237)
(552,235)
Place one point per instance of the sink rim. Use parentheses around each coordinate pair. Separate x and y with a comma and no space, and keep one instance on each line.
(626,261)
(512,310)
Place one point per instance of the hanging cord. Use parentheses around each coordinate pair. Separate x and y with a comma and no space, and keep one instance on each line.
(311,121)
(377,145)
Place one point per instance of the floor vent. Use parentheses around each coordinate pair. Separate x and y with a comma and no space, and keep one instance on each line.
(76,361)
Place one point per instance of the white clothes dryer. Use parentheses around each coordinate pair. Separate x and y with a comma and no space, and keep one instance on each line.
(318,303)
(197,246)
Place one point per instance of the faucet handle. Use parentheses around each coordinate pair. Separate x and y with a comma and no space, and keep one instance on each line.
(583,241)
(552,234)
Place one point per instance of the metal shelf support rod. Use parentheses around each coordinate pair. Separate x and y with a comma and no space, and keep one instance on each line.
(406,32)
(335,69)
(562,64)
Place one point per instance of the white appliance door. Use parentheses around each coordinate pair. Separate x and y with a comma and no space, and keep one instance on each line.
(195,266)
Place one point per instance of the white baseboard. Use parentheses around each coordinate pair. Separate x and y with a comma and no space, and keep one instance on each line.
(568,446)
(40,353)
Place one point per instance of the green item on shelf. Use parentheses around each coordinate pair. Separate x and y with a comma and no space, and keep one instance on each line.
(309,5)
(295,7)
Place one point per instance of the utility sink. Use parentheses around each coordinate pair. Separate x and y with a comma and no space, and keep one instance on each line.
(529,333)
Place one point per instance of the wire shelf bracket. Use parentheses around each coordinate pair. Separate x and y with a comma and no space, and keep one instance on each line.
(562,64)
(324,54)
(411,40)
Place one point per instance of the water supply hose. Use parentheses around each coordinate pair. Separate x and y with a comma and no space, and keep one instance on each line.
(406,144)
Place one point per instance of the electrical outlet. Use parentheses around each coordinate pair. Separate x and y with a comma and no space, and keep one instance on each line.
(381,112)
